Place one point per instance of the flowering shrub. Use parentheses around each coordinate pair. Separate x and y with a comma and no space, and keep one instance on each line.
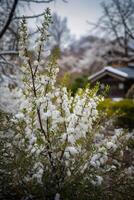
(52,148)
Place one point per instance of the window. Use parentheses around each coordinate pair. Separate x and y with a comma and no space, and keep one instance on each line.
(102,86)
(121,86)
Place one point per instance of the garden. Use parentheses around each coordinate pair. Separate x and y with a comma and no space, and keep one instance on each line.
(61,145)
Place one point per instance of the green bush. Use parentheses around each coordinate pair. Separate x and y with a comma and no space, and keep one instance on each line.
(123,111)
(79,82)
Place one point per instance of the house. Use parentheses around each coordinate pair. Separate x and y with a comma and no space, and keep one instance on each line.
(119,79)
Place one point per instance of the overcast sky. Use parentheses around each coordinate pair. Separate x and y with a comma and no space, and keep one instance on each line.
(77,12)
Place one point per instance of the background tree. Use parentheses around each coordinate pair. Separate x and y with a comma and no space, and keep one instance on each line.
(10,8)
(59,31)
(56,146)
(10,14)
(118,22)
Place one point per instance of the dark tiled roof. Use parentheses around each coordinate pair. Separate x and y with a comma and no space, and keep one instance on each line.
(128,70)
(120,72)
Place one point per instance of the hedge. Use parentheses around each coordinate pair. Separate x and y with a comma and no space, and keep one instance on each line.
(123,112)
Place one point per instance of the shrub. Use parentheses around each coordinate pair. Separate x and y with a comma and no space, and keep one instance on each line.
(122,111)
(53,149)
(79,82)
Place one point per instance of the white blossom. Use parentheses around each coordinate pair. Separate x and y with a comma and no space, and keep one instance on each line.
(57,196)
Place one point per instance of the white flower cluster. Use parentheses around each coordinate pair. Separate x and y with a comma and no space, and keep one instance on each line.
(38,172)
(23,39)
(56,130)
(53,121)
(110,155)
(130,171)
(99,159)
(97,181)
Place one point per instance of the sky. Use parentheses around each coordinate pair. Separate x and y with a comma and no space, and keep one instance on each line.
(78,12)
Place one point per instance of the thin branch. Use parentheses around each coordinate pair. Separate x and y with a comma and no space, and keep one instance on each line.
(38,111)
(113,27)
(35,94)
(13,32)
(41,1)
(3,58)
(29,17)
(36,1)
(96,25)
(7,63)
(33,33)
(123,19)
(9,53)
(9,18)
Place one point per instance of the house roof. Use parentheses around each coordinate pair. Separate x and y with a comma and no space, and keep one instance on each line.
(121,73)
(128,70)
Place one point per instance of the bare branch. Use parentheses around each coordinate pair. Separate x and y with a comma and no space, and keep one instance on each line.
(96,25)
(7,63)
(37,1)
(112,23)
(29,17)
(9,53)
(123,19)
(37,15)
(13,32)
(9,18)
(41,1)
